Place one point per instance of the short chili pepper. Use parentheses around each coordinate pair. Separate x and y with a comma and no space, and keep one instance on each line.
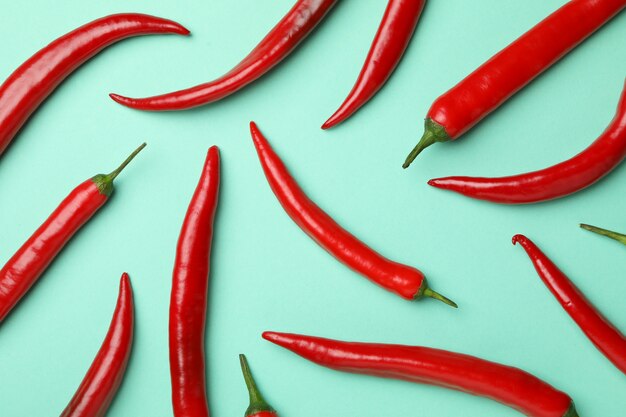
(608,233)
(391,40)
(504,384)
(188,303)
(32,259)
(276,46)
(568,177)
(606,337)
(511,69)
(405,281)
(258,406)
(105,375)
(35,79)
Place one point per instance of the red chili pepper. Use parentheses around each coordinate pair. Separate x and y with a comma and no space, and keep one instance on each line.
(390,42)
(258,406)
(105,375)
(275,47)
(35,79)
(188,304)
(610,341)
(559,180)
(32,259)
(406,281)
(507,385)
(507,72)
(613,235)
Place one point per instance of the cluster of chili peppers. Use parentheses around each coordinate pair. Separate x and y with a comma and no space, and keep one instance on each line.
(452,115)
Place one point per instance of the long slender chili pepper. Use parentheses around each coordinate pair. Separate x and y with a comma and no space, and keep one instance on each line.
(277,45)
(258,406)
(507,385)
(608,233)
(568,177)
(391,40)
(610,341)
(32,259)
(507,72)
(406,281)
(105,375)
(35,79)
(188,304)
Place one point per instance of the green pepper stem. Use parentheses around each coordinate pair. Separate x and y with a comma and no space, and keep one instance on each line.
(613,235)
(433,294)
(257,402)
(433,132)
(119,169)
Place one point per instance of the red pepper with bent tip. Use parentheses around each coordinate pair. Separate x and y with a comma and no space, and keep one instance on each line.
(35,79)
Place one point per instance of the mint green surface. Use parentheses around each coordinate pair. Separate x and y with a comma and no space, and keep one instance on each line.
(266,274)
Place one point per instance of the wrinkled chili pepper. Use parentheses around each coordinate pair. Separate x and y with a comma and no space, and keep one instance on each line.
(276,46)
(105,375)
(608,233)
(602,333)
(507,72)
(559,180)
(258,406)
(391,40)
(507,385)
(406,281)
(35,79)
(188,303)
(32,259)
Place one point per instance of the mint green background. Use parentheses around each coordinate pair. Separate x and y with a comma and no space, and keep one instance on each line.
(266,274)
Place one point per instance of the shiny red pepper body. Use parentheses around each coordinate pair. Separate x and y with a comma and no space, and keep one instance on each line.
(484,90)
(105,375)
(35,79)
(507,385)
(276,46)
(391,40)
(606,337)
(188,304)
(559,180)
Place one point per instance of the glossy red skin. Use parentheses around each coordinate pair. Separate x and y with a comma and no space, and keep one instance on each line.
(35,79)
(507,385)
(32,259)
(568,177)
(602,333)
(401,279)
(391,40)
(518,64)
(264,414)
(188,304)
(105,375)
(276,46)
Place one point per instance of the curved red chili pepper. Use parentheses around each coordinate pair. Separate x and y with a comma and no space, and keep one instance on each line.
(610,341)
(275,47)
(105,375)
(188,304)
(32,259)
(507,385)
(621,238)
(507,72)
(391,40)
(35,79)
(556,181)
(406,281)
(258,406)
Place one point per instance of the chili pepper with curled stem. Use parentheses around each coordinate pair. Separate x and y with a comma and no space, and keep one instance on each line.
(276,46)
(507,385)
(405,281)
(188,303)
(391,40)
(34,256)
(608,233)
(258,406)
(511,69)
(568,177)
(35,79)
(105,375)
(602,333)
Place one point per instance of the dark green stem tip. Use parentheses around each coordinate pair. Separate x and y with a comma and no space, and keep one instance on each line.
(257,402)
(604,232)
(433,294)
(433,133)
(105,182)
